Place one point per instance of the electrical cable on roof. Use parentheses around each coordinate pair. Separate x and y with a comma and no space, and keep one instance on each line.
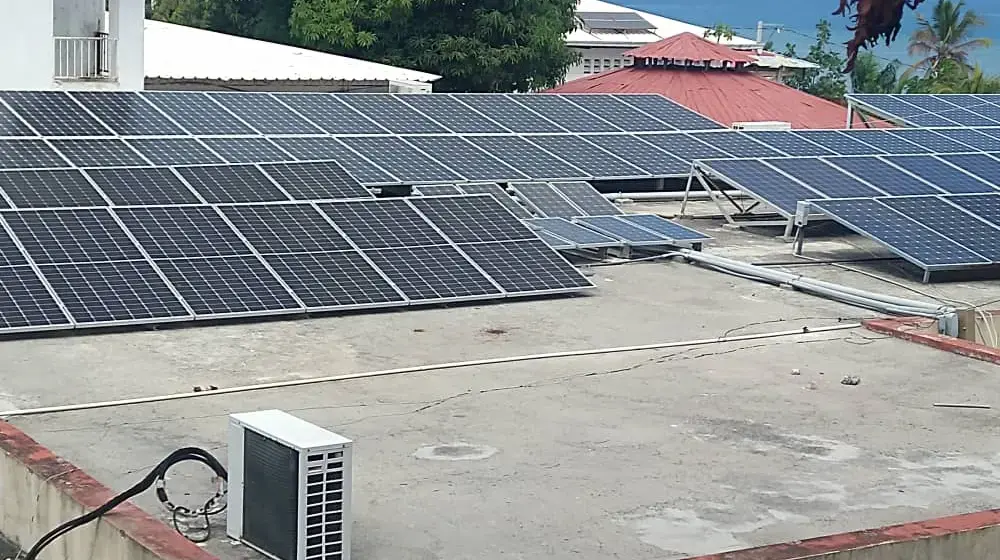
(214,506)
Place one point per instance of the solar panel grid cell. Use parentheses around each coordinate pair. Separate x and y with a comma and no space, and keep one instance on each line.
(986,207)
(975,140)
(469,219)
(399,158)
(951,222)
(789,143)
(265,113)
(197,113)
(53,113)
(764,182)
(25,302)
(509,113)
(54,188)
(98,153)
(219,184)
(436,190)
(227,286)
(935,171)
(826,180)
(285,228)
(382,223)
(182,231)
(247,150)
(641,154)
(737,144)
(664,227)
(586,197)
(327,112)
(126,113)
(315,180)
(546,201)
(499,194)
(527,158)
(174,151)
(631,234)
(392,114)
(525,266)
(844,144)
(10,253)
(930,140)
(983,166)
(465,158)
(333,279)
(618,113)
(883,176)
(71,236)
(11,125)
(581,236)
(432,273)
(569,116)
(451,113)
(27,154)
(141,186)
(587,157)
(669,112)
(685,147)
(330,149)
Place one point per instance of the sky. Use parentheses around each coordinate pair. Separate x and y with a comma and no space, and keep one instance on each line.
(802,15)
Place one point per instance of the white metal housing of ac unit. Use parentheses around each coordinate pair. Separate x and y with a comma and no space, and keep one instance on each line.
(762,125)
(289,487)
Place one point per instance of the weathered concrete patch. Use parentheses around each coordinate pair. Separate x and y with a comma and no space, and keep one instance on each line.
(455,452)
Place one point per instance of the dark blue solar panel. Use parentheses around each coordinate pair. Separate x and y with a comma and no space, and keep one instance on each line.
(509,113)
(197,113)
(841,144)
(641,154)
(568,116)
(930,140)
(736,143)
(588,157)
(942,107)
(950,222)
(883,176)
(789,143)
(669,112)
(399,158)
(764,182)
(578,234)
(981,105)
(329,113)
(981,165)
(391,113)
(900,234)
(827,180)
(527,158)
(53,113)
(974,139)
(886,142)
(685,147)
(265,113)
(986,206)
(627,232)
(451,112)
(11,125)
(622,115)
(466,159)
(664,227)
(896,107)
(319,148)
(939,173)
(127,113)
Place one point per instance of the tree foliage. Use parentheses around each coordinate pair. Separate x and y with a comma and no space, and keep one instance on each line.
(826,81)
(945,36)
(871,76)
(476,45)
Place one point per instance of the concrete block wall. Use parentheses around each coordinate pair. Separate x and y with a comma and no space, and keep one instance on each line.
(39,491)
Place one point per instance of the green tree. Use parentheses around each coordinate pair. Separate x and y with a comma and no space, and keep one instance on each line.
(871,76)
(826,81)
(946,36)
(720,31)
(258,19)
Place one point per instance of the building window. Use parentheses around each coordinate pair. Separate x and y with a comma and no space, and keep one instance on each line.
(617,63)
(607,64)
(586,66)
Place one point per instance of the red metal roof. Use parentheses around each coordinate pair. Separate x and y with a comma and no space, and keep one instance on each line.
(723,95)
(690,47)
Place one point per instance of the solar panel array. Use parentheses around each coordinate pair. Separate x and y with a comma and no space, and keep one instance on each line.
(380,139)
(64,268)
(940,110)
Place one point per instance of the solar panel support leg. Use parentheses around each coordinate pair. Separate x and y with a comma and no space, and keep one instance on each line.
(850,114)
(800,239)
(687,191)
(705,184)
(789,228)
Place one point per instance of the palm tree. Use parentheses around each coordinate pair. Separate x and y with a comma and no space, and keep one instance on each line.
(945,37)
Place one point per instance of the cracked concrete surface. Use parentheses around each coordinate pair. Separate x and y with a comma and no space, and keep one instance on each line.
(641,456)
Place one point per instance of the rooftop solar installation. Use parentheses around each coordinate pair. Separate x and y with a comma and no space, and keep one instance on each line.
(578,236)
(882,175)
(664,227)
(568,115)
(584,155)
(976,140)
(42,188)
(888,142)
(546,201)
(452,113)
(321,180)
(126,113)
(737,144)
(617,112)
(641,154)
(586,198)
(436,190)
(623,230)
(265,113)
(763,182)
(499,194)
(174,151)
(509,113)
(951,221)
(823,178)
(922,110)
(929,140)
(53,113)
(789,144)
(128,186)
(329,113)
(946,177)
(668,111)
(986,207)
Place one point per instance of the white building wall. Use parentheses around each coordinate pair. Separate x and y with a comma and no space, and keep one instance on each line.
(129,30)
(598,59)
(77,18)
(26,44)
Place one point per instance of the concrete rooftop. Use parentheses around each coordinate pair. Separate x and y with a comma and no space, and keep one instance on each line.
(647,455)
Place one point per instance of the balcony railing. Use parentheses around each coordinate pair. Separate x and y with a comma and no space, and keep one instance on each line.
(86,58)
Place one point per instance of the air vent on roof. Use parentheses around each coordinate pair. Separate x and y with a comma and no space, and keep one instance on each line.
(289,487)
(614,21)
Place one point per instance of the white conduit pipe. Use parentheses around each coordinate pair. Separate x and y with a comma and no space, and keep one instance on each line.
(420,369)
(665,195)
(871,300)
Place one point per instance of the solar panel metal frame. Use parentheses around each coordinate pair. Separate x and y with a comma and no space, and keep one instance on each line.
(693,236)
(706,165)
(594,223)
(554,241)
(556,225)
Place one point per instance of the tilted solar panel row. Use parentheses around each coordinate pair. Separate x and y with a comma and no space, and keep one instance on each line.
(782,183)
(926,110)
(81,267)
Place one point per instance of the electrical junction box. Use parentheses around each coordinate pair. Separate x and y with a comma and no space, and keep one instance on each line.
(289,487)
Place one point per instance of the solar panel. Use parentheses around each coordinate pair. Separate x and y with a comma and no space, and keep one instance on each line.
(25,302)
(618,113)
(894,107)
(527,158)
(330,149)
(329,113)
(789,143)
(174,151)
(842,144)
(588,157)
(197,113)
(114,293)
(436,190)
(465,158)
(883,176)
(886,142)
(231,183)
(98,153)
(667,111)
(764,183)
(142,185)
(900,234)
(929,140)
(557,243)
(580,236)
(982,166)
(391,113)
(631,234)
(545,200)
(228,286)
(944,176)
(737,144)
(664,227)
(53,113)
(499,194)
(974,139)
(126,113)
(49,189)
(824,179)
(342,279)
(586,198)
(451,112)
(315,180)
(26,154)
(11,125)
(471,219)
(10,253)
(433,274)
(265,113)
(382,223)
(68,236)
(685,146)
(986,206)
(569,116)
(951,222)
(168,232)
(981,106)
(247,150)
(285,228)
(399,158)
(939,107)
(641,154)
(526,267)
(508,113)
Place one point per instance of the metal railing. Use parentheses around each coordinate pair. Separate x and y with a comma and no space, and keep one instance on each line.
(86,58)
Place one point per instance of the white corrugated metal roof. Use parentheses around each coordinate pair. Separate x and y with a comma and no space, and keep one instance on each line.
(180,52)
(775,60)
(665,27)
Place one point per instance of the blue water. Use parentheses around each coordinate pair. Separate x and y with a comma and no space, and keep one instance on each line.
(801,17)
